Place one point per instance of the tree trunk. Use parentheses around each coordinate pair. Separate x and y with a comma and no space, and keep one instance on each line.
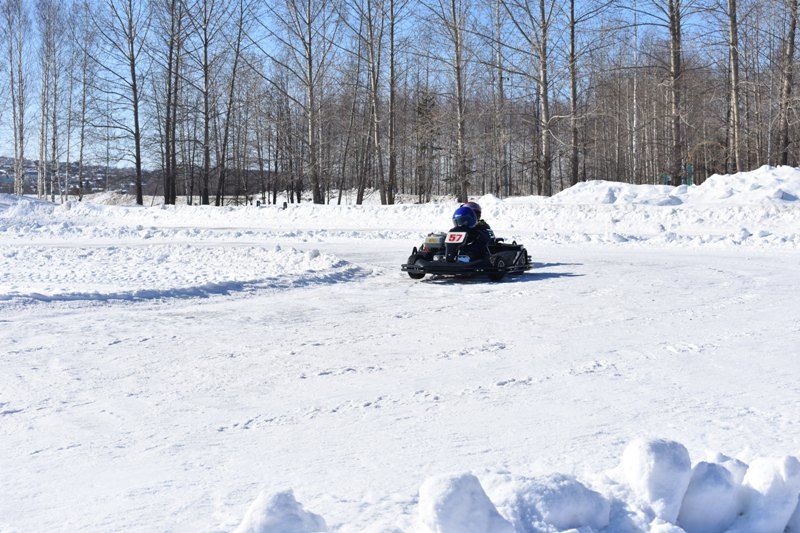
(137,132)
(392,185)
(461,156)
(733,48)
(786,86)
(573,97)
(546,161)
(676,73)
(229,108)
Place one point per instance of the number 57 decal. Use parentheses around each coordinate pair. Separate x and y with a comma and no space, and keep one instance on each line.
(456,237)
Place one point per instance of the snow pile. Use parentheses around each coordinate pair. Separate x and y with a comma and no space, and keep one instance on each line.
(771,487)
(155,271)
(658,472)
(279,513)
(612,192)
(712,500)
(458,504)
(766,184)
(654,489)
(556,501)
(754,209)
(119,198)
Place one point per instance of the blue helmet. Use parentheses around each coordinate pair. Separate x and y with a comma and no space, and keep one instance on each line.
(464,216)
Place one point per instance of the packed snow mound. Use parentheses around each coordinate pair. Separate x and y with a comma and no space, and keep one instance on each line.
(765,184)
(555,502)
(658,471)
(653,490)
(279,513)
(612,192)
(712,501)
(157,271)
(118,198)
(794,522)
(771,487)
(458,504)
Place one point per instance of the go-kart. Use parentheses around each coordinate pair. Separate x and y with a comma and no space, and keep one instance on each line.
(441,255)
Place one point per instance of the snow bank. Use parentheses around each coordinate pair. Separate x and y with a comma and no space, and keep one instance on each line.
(736,467)
(754,209)
(658,472)
(653,490)
(612,192)
(458,504)
(794,521)
(765,184)
(771,488)
(279,513)
(156,271)
(556,501)
(712,500)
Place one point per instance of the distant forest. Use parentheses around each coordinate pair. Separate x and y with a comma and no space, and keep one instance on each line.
(511,97)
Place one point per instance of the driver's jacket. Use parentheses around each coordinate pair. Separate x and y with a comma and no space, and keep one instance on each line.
(478,238)
(483,225)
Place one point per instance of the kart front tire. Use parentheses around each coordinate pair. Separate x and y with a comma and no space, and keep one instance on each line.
(521,262)
(414,275)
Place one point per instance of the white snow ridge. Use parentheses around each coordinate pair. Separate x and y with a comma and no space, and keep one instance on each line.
(158,271)
(654,490)
(279,513)
(458,504)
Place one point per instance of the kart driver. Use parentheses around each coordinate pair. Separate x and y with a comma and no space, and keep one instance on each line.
(481,223)
(477,239)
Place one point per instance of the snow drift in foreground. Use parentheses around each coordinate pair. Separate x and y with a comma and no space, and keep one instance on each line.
(654,489)
(156,271)
(279,512)
(756,209)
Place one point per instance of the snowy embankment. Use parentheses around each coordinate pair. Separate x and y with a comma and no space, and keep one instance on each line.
(158,271)
(654,489)
(754,209)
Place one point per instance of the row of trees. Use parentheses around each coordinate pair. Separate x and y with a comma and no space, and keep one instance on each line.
(230,99)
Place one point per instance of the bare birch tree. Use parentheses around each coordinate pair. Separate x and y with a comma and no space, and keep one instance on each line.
(17,25)
(123,30)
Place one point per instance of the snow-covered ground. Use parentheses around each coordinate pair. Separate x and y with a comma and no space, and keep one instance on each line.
(205,369)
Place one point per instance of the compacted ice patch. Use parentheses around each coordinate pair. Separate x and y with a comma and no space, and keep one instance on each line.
(158,271)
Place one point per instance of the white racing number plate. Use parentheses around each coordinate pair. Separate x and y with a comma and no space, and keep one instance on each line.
(455,237)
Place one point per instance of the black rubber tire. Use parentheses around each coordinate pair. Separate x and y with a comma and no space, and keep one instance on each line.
(497,276)
(520,263)
(414,275)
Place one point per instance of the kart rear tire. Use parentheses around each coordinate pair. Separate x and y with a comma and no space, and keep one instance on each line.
(497,276)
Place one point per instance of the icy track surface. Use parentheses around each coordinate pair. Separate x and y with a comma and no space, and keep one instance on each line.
(196,369)
(158,271)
